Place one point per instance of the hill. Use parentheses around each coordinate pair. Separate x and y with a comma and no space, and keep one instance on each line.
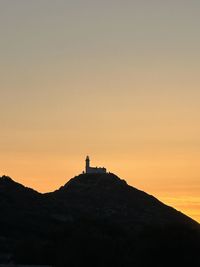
(93,220)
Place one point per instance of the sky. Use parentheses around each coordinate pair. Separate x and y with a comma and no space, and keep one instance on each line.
(116,80)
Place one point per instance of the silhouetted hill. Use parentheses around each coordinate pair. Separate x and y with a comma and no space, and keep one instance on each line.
(93,220)
(107,196)
(16,200)
(22,215)
(11,189)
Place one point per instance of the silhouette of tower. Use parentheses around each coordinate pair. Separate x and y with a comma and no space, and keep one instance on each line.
(87,165)
(89,169)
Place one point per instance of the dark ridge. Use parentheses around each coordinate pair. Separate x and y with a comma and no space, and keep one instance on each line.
(6,183)
(93,220)
(106,195)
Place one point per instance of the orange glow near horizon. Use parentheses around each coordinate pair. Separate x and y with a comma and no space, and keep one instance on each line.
(117,81)
(51,173)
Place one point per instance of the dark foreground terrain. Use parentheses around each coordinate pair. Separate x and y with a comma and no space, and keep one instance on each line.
(94,220)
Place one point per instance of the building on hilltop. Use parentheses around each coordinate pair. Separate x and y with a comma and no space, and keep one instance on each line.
(89,169)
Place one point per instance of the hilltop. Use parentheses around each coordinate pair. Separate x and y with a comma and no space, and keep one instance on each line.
(93,220)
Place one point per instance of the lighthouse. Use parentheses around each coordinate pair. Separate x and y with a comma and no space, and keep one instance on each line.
(89,169)
(87,164)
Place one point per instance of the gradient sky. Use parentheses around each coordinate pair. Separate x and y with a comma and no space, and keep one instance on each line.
(118,80)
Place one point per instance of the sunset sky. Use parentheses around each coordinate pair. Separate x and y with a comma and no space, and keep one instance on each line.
(118,80)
